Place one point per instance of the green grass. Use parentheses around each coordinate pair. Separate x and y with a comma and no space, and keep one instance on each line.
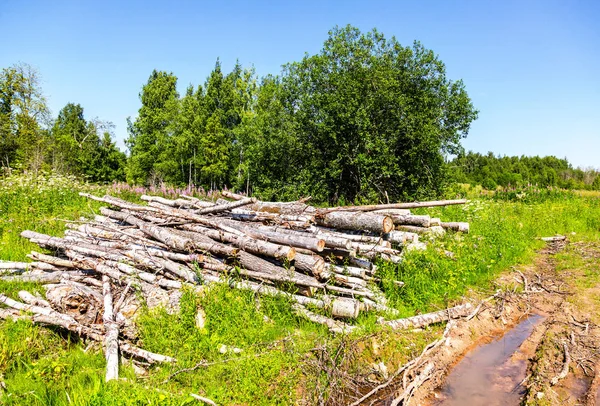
(41,366)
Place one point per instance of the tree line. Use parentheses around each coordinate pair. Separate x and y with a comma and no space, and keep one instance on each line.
(32,140)
(492,171)
(365,119)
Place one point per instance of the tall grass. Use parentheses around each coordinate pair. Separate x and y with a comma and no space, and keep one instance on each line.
(505,231)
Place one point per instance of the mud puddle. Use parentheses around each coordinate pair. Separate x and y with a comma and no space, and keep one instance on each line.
(490,374)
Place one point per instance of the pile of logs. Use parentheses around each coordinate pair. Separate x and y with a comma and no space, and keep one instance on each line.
(317,258)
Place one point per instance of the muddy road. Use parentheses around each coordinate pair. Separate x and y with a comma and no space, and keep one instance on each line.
(535,341)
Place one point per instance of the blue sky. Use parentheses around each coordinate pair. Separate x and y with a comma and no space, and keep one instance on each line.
(531,67)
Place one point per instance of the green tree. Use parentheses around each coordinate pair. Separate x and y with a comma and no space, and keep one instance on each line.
(374,119)
(215,151)
(77,147)
(23,117)
(150,136)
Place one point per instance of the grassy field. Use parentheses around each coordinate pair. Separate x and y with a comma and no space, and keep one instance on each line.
(277,364)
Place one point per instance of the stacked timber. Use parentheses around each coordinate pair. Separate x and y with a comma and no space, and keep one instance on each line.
(103,269)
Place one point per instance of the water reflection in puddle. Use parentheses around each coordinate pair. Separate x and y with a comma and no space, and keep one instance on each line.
(487,375)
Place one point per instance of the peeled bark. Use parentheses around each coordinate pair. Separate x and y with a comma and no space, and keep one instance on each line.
(357,221)
(77,328)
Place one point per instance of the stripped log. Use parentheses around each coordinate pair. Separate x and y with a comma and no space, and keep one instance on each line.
(554,239)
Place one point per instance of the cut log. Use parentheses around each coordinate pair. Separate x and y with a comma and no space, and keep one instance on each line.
(430,318)
(161,234)
(356,221)
(28,298)
(311,264)
(16,266)
(246,243)
(333,325)
(401,237)
(292,238)
(435,221)
(231,195)
(226,206)
(412,220)
(293,208)
(111,337)
(168,202)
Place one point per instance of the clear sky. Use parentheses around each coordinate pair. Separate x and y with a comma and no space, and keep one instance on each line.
(531,67)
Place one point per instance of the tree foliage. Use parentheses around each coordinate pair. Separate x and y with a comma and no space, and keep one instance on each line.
(30,140)
(365,119)
(369,119)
